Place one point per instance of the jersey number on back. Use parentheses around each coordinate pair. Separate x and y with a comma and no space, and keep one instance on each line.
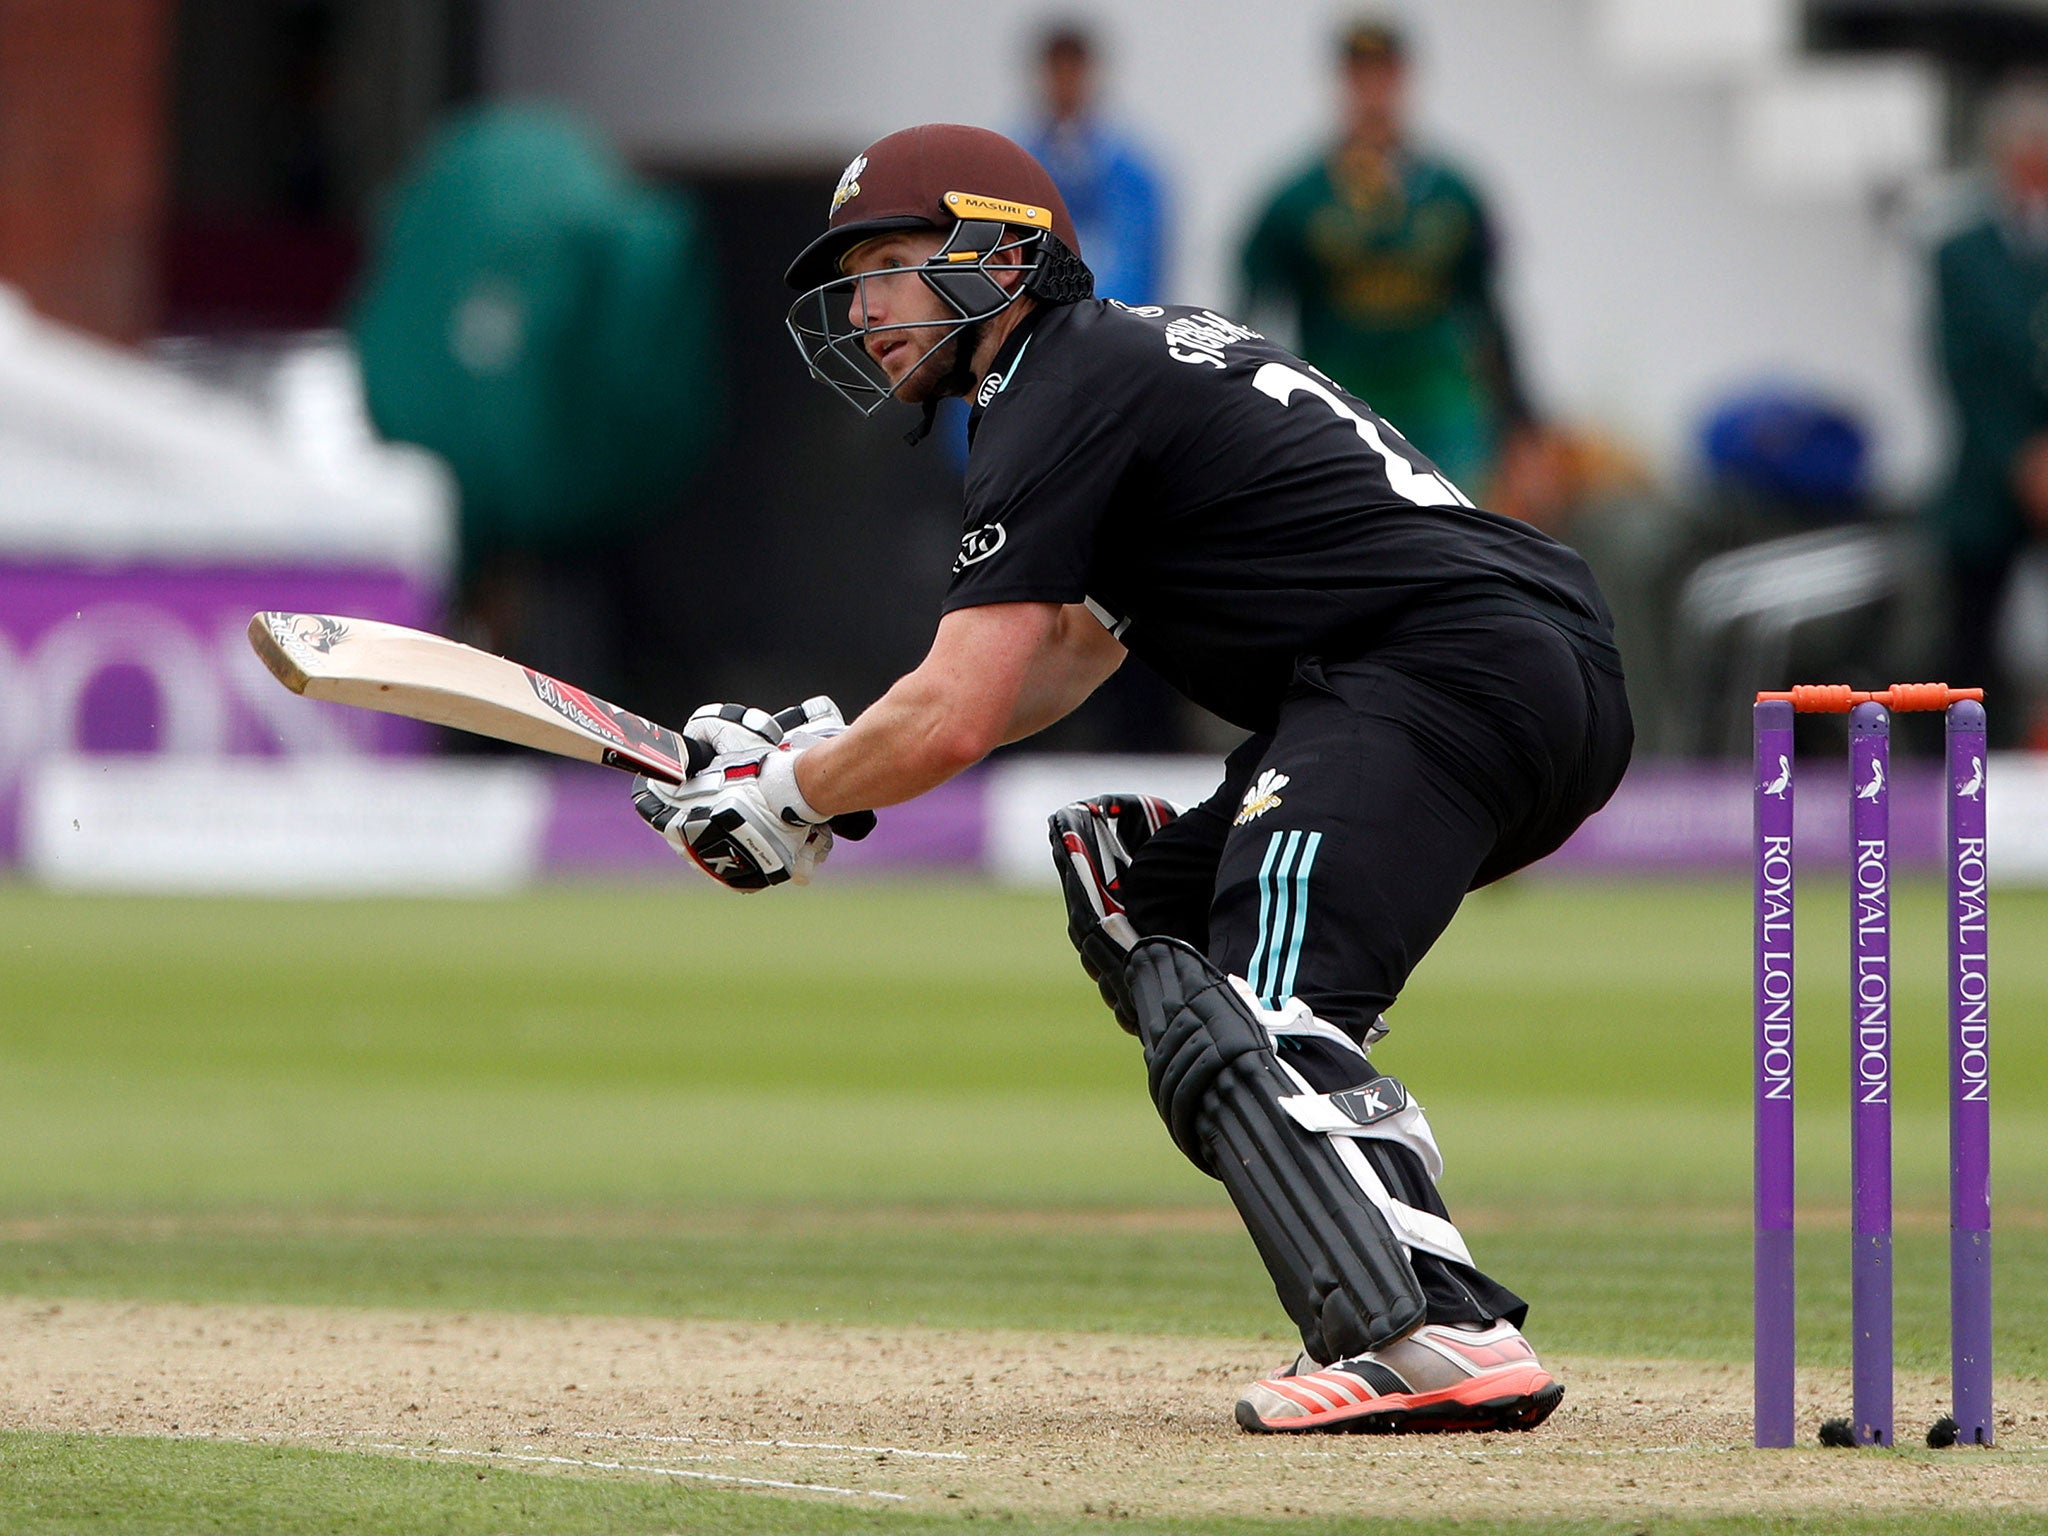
(1419,486)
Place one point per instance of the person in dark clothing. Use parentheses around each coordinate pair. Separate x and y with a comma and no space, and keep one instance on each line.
(1431,693)
(1991,298)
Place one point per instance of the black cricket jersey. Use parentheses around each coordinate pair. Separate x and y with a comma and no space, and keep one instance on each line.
(1223,507)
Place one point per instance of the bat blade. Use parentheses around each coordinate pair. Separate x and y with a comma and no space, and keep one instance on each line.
(409,672)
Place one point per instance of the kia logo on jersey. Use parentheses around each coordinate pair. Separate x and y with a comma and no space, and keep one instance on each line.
(979,545)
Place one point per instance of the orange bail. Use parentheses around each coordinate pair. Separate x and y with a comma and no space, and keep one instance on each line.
(1840,698)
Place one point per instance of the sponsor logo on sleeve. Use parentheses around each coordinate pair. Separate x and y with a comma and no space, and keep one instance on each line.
(979,544)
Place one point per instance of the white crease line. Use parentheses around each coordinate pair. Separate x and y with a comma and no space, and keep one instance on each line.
(627,1466)
(777,1445)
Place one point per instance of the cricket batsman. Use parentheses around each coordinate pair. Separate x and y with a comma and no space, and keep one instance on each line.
(1431,693)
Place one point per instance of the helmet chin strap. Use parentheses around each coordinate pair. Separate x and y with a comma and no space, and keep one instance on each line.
(923,429)
(957,380)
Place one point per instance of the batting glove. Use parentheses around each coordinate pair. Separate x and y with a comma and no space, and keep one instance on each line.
(724,730)
(721,822)
(743,821)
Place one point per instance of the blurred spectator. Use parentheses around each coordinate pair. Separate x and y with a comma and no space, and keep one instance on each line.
(1992,316)
(1383,256)
(544,321)
(1115,199)
(1111,192)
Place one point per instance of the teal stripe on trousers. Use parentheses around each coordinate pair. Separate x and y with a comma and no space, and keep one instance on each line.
(1257,978)
(1279,912)
(1298,929)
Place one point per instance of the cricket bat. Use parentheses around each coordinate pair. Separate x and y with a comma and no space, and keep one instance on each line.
(427,677)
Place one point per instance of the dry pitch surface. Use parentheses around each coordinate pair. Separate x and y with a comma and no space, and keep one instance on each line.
(946,1420)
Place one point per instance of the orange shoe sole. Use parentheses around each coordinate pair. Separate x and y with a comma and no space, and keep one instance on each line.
(1499,1400)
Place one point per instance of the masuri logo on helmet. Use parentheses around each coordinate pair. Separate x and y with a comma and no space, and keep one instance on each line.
(969,206)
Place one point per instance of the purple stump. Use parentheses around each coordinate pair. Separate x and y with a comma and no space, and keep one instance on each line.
(1870,1071)
(1969,1077)
(1774,1050)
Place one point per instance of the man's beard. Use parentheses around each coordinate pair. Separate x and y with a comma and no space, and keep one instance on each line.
(931,378)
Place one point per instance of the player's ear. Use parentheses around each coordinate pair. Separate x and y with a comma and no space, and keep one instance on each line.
(1015,273)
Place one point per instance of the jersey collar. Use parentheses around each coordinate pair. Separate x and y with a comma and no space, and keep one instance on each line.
(1003,369)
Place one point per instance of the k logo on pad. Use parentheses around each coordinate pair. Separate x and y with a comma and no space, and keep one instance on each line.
(1261,797)
(1372,1103)
(979,545)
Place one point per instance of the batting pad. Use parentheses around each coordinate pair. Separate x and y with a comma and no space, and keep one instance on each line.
(1341,1272)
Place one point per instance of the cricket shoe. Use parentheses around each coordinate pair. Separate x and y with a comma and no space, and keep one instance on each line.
(1441,1378)
(1093,843)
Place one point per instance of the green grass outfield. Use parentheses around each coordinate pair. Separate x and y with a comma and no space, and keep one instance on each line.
(876,1103)
(58,1485)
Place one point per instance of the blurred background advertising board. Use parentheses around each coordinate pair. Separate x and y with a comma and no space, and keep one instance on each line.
(144,516)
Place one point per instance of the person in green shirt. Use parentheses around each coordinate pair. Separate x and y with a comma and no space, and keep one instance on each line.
(1383,257)
(1991,281)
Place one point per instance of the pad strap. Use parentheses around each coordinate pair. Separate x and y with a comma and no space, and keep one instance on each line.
(1379,1109)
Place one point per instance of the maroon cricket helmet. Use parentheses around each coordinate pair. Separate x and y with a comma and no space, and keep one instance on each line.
(932,177)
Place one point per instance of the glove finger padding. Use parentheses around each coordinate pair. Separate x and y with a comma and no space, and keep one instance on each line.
(726,729)
(817,713)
